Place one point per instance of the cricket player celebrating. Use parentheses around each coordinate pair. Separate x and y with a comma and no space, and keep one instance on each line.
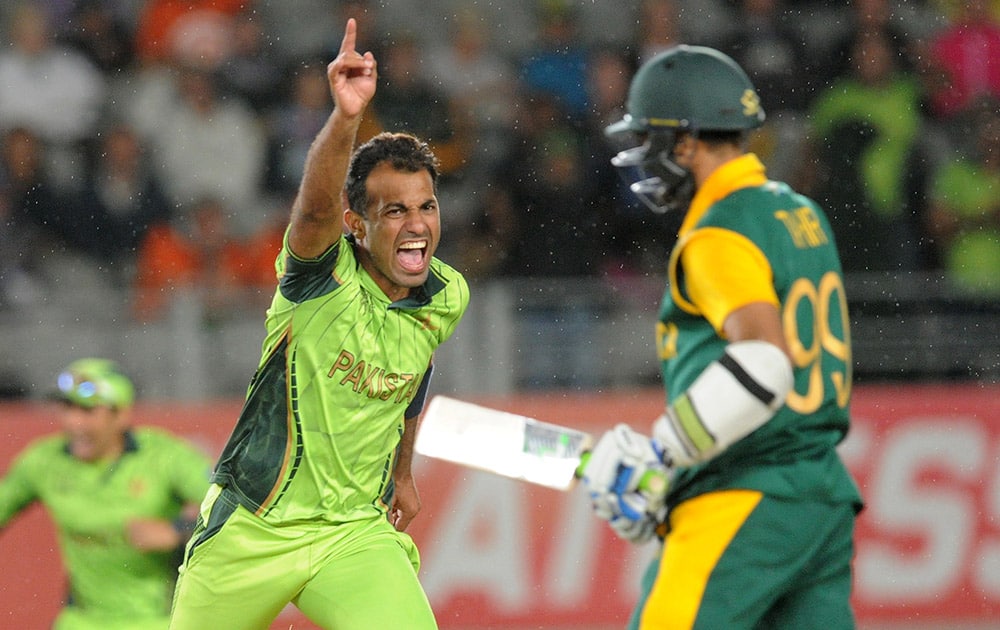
(758,521)
(313,490)
(118,497)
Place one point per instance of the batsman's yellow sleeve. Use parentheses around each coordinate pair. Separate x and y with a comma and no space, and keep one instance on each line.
(723,271)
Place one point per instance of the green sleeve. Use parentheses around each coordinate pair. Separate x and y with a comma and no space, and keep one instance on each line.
(17,489)
(190,469)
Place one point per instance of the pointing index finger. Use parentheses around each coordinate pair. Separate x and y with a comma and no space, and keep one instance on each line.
(350,36)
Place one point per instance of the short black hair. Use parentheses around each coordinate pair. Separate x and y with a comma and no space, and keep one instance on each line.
(405,152)
(723,136)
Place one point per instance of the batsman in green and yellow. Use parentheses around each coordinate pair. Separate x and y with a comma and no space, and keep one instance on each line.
(757,525)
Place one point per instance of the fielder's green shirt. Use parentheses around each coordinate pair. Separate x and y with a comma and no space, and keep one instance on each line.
(740,221)
(318,433)
(90,504)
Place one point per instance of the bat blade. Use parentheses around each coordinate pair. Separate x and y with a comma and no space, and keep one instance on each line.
(502,443)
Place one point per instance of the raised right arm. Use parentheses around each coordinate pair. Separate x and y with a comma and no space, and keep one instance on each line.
(317,213)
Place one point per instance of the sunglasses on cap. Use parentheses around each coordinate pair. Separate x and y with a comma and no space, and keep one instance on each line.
(78,390)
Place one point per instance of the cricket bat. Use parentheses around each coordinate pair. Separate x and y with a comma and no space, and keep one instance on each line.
(509,444)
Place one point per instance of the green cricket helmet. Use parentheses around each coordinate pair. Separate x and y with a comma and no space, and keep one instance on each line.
(687,89)
(94,382)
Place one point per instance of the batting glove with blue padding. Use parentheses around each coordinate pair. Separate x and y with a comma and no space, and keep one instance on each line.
(627,482)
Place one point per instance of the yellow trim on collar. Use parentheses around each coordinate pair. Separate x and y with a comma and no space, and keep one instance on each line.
(742,172)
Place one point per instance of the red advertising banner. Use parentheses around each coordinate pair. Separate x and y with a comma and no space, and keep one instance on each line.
(928,461)
(503,554)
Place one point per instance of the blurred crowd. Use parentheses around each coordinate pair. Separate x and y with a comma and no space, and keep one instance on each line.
(160,142)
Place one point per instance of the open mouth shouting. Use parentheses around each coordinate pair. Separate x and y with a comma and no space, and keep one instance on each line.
(412,256)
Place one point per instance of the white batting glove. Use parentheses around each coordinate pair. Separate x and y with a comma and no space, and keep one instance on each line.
(627,483)
(637,530)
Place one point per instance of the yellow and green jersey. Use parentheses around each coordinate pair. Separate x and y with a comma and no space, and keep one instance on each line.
(746,239)
(90,504)
(324,413)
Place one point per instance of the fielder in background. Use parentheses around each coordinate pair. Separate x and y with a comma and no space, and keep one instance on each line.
(122,500)
(313,490)
(757,525)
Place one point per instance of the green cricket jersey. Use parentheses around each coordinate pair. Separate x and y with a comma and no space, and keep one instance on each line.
(793,454)
(90,504)
(318,433)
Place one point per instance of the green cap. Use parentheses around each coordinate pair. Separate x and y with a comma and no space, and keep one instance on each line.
(94,382)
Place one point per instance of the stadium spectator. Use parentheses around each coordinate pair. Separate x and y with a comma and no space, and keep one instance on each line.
(966,53)
(292,124)
(557,64)
(94,30)
(408,102)
(768,43)
(658,27)
(478,80)
(256,269)
(964,212)
(121,198)
(36,208)
(198,30)
(103,219)
(25,198)
(123,500)
(608,73)
(867,163)
(859,19)
(51,89)
(251,70)
(544,209)
(552,231)
(209,145)
(198,253)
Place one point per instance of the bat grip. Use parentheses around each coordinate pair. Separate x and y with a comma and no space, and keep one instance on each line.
(652,483)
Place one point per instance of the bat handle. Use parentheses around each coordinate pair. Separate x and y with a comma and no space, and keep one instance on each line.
(653,482)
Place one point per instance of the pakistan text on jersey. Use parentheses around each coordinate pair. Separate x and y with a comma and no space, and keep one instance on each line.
(373,380)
